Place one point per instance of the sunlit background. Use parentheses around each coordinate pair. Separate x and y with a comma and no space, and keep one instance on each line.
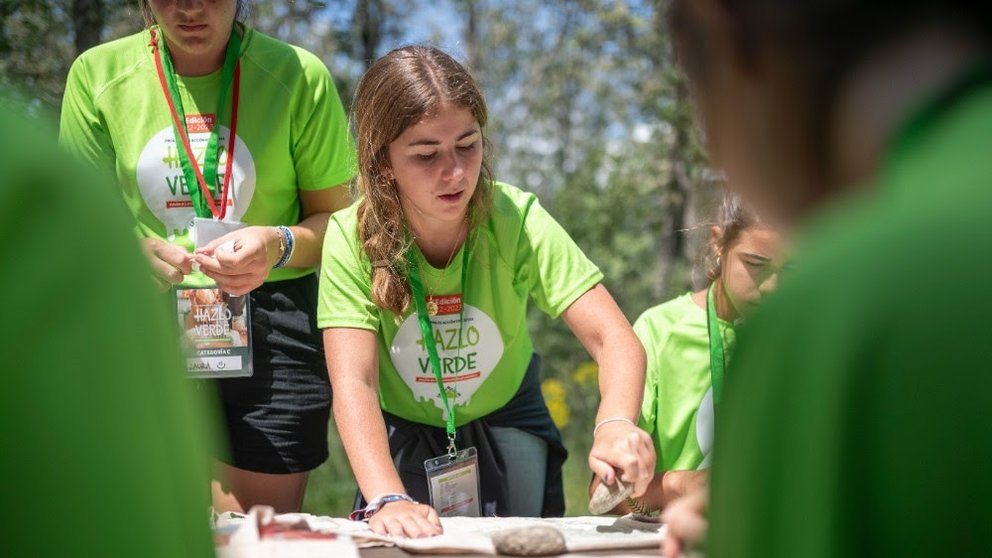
(587,111)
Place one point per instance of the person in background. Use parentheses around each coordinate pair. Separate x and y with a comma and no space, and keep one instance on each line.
(425,283)
(105,445)
(855,421)
(227,146)
(689,343)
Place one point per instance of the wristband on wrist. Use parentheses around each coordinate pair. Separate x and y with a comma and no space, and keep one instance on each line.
(376,504)
(287,242)
(611,419)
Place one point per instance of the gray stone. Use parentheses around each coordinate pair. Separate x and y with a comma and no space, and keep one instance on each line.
(539,540)
(605,498)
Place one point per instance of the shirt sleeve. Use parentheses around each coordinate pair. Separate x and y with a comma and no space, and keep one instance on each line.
(555,268)
(345,293)
(649,406)
(82,129)
(323,150)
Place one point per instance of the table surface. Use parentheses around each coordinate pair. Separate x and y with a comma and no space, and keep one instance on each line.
(393,552)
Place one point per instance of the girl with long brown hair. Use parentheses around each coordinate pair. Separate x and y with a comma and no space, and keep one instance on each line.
(423,297)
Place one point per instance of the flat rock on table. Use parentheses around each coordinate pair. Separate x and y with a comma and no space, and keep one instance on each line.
(606,497)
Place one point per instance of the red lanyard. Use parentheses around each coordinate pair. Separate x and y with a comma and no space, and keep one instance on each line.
(166,77)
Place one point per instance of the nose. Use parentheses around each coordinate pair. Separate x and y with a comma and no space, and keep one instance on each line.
(769,285)
(454,169)
(189,5)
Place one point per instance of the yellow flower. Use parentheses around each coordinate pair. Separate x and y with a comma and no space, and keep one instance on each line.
(587,373)
(560,412)
(553,390)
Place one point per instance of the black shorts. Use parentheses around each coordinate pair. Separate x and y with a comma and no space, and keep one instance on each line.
(411,443)
(276,420)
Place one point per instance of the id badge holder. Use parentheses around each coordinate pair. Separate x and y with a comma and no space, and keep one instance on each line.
(216,326)
(453,483)
(206,230)
(216,330)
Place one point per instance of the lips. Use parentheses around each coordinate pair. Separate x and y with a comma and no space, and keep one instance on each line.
(190,28)
(453,197)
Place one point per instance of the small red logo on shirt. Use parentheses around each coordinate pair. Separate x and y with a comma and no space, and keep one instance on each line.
(446,304)
(200,123)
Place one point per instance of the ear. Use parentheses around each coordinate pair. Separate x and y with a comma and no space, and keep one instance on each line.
(387,173)
(716,240)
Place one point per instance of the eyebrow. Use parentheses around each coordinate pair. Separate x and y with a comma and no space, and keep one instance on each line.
(435,142)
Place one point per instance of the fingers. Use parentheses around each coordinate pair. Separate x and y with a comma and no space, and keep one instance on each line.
(236,285)
(169,263)
(626,449)
(405,519)
(686,521)
(671,547)
(602,470)
(239,252)
(434,520)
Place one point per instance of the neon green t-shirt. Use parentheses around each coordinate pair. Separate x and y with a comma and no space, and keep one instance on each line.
(678,390)
(292,134)
(519,253)
(856,420)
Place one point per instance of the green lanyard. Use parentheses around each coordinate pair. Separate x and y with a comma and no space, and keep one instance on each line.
(202,197)
(427,331)
(717,360)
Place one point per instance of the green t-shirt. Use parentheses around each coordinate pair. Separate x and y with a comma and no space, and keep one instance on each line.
(520,252)
(856,420)
(678,390)
(292,134)
(104,440)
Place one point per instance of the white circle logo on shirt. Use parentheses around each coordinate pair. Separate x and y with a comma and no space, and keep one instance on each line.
(465,364)
(163,185)
(704,428)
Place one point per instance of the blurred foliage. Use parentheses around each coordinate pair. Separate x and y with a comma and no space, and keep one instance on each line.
(587,109)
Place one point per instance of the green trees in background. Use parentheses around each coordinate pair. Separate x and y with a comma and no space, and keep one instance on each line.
(587,111)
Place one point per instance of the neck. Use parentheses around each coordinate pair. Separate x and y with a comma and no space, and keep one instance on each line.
(439,241)
(724,308)
(884,88)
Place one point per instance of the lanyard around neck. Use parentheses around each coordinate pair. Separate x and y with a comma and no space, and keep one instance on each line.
(717,360)
(202,197)
(427,331)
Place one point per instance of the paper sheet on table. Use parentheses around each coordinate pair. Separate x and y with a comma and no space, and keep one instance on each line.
(472,535)
(263,534)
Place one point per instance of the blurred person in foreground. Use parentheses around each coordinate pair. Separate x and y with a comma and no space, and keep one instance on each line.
(856,415)
(104,445)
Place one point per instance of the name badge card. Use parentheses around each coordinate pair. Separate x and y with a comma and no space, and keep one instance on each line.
(454,484)
(217,340)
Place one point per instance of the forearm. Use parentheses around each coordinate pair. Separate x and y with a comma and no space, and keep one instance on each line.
(606,334)
(363,434)
(621,362)
(308,238)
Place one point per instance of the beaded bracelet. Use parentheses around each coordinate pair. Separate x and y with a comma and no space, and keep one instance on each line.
(376,504)
(287,242)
